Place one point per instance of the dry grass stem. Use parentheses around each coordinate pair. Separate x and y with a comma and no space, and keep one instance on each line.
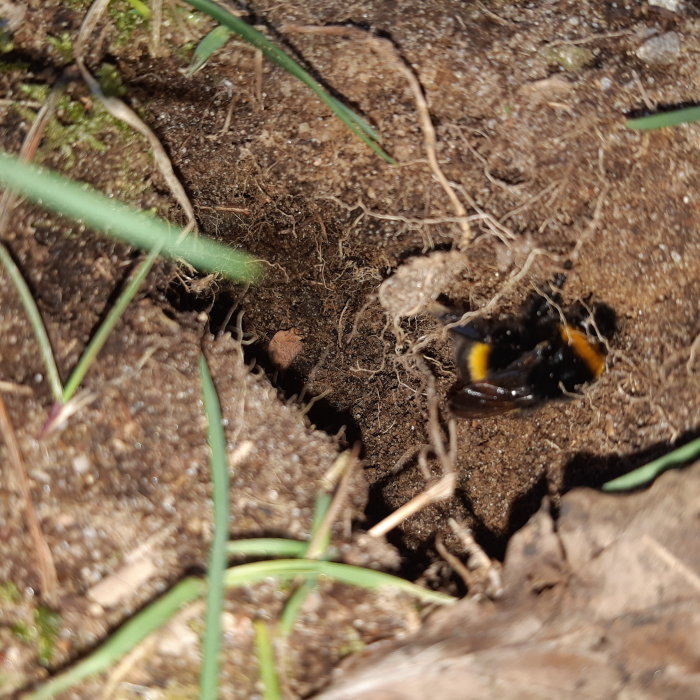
(28,150)
(119,110)
(92,17)
(348,465)
(13,388)
(439,491)
(156,23)
(48,580)
(258,61)
(60,413)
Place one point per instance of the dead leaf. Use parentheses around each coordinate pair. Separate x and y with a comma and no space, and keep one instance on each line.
(604,605)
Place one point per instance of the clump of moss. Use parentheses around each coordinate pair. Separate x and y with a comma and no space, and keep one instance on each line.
(76,124)
(126,20)
(110,80)
(9,593)
(42,632)
(62,46)
(570,57)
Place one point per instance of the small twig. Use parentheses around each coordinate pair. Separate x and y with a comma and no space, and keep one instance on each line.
(156,22)
(439,491)
(589,39)
(454,562)
(405,457)
(484,574)
(694,349)
(258,62)
(495,17)
(44,560)
(13,388)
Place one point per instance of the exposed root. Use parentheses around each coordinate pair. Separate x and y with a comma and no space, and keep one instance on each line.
(387,51)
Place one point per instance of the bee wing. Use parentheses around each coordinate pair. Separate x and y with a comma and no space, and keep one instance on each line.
(489,398)
(501,391)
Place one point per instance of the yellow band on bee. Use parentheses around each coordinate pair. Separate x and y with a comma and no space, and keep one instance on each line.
(591,356)
(479,361)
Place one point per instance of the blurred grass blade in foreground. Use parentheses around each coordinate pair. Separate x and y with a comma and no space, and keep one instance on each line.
(642,476)
(662,119)
(79,202)
(211,647)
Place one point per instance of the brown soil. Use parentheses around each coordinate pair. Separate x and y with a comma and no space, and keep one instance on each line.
(539,155)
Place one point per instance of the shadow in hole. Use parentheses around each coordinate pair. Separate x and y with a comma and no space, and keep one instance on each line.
(419,252)
(325,415)
(587,469)
(521,510)
(376,510)
(416,559)
(417,556)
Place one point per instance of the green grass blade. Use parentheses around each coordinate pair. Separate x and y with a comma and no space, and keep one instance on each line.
(288,569)
(296,600)
(123,640)
(658,121)
(106,327)
(642,476)
(351,119)
(35,321)
(208,46)
(141,8)
(266,662)
(134,227)
(209,679)
(267,547)
(293,606)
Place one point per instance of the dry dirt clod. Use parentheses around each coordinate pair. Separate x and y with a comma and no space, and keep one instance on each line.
(419,281)
(285,346)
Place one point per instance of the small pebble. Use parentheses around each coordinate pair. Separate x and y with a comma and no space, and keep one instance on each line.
(670,5)
(660,50)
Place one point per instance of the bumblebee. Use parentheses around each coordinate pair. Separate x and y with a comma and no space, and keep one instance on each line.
(518,363)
